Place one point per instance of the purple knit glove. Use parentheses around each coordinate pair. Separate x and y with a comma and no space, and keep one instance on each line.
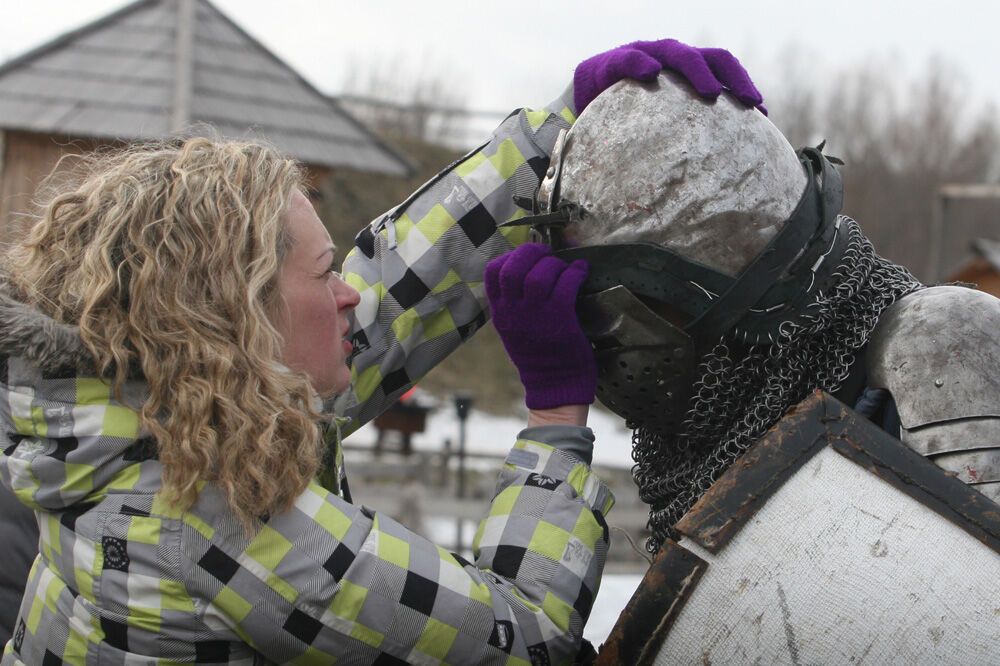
(533,303)
(710,71)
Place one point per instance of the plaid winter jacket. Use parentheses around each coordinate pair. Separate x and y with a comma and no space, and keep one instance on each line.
(125,577)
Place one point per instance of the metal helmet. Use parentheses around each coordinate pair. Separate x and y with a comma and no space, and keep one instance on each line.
(699,222)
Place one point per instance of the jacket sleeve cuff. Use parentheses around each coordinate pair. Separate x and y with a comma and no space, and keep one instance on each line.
(542,461)
(578,440)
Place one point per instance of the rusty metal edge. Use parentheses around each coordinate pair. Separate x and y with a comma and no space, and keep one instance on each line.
(744,488)
(651,611)
(855,438)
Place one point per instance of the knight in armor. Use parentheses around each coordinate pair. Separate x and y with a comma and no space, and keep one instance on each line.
(726,285)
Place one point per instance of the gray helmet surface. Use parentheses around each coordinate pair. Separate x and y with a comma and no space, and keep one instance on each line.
(654,162)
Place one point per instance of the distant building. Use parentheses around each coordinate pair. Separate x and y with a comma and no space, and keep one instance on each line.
(983,269)
(156,68)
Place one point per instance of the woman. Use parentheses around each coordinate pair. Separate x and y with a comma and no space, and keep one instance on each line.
(168,332)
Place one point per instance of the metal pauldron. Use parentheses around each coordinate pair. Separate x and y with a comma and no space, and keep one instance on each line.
(937,352)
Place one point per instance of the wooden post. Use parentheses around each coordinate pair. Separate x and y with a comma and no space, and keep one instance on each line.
(183,58)
(3,204)
(936,250)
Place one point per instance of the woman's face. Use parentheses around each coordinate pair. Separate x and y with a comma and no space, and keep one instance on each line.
(313,315)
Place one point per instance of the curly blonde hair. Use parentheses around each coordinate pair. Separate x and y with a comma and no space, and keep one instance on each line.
(166,256)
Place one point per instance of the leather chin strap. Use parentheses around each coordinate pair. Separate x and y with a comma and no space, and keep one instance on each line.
(799,260)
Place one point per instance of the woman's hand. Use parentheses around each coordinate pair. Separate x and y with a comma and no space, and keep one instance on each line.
(533,304)
(708,70)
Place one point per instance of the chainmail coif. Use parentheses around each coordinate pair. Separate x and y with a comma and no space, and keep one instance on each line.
(744,390)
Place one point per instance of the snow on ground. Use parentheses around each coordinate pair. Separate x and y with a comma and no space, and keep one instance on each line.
(616,590)
(487,433)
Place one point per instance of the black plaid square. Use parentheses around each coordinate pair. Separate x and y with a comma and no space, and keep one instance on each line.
(409,290)
(51,659)
(115,633)
(365,241)
(465,331)
(210,652)
(539,165)
(584,601)
(386,659)
(507,560)
(338,562)
(115,553)
(478,225)
(64,447)
(143,449)
(419,593)
(69,517)
(395,381)
(599,517)
(220,565)
(302,626)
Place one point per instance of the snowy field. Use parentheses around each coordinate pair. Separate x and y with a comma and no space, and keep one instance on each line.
(496,434)
(616,590)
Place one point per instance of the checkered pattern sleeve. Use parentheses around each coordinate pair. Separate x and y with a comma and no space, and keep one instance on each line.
(332,582)
(419,267)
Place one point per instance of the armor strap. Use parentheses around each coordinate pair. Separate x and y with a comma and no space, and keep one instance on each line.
(793,250)
(801,256)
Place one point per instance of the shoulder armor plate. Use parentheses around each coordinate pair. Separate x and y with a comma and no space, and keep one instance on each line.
(937,351)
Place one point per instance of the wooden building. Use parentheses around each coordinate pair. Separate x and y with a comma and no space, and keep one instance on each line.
(156,68)
(983,269)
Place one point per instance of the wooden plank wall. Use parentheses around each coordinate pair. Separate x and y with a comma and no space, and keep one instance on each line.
(27,160)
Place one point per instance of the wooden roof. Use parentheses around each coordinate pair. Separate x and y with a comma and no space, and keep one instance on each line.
(156,67)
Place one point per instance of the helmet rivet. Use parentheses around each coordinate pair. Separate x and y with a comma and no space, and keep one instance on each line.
(551,172)
(939,383)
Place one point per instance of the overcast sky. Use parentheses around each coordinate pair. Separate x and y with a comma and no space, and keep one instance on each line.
(513,53)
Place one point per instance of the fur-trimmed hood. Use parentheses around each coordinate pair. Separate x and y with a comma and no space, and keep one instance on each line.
(37,338)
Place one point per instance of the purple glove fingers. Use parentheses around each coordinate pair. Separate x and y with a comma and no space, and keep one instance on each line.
(686,61)
(543,278)
(516,267)
(491,280)
(533,302)
(567,288)
(709,71)
(731,73)
(631,64)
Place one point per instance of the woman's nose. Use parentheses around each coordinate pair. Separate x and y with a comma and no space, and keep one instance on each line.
(347,296)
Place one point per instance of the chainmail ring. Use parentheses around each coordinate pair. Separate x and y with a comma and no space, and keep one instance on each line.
(743,390)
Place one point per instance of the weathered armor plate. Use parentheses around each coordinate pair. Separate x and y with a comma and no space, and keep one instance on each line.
(828,542)
(660,177)
(937,351)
